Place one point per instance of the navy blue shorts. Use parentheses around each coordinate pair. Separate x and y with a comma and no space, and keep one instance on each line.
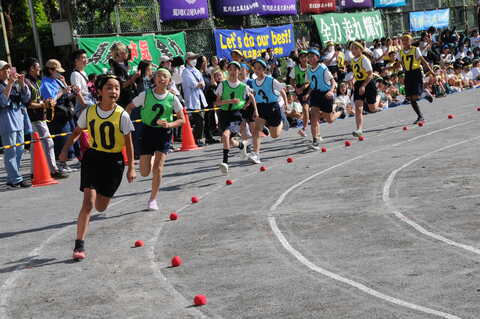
(271,113)
(319,100)
(229,120)
(155,139)
(413,83)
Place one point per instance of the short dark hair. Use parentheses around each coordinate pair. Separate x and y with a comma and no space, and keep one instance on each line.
(28,63)
(77,53)
(103,79)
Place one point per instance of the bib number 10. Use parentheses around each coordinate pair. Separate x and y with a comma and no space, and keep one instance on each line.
(107,135)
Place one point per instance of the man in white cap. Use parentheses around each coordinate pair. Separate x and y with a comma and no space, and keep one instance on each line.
(14,95)
(193,86)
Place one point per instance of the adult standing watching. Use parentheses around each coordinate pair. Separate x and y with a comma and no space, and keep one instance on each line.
(79,78)
(193,86)
(37,111)
(120,68)
(14,95)
(54,87)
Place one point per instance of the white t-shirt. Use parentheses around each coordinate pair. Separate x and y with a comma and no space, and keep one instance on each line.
(140,101)
(295,106)
(327,75)
(475,42)
(348,77)
(378,54)
(475,73)
(80,80)
(233,85)
(330,55)
(342,100)
(177,74)
(348,56)
(126,125)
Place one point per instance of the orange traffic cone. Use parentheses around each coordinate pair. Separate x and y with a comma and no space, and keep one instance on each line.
(188,142)
(41,172)
(124,154)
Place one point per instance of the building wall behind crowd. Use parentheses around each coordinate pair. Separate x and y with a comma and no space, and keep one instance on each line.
(143,16)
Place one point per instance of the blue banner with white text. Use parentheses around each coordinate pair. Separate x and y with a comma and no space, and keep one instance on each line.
(252,42)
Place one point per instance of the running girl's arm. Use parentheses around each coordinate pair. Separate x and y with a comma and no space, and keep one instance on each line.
(333,88)
(220,102)
(71,139)
(129,148)
(130,107)
(425,63)
(251,100)
(368,79)
(179,122)
(284,97)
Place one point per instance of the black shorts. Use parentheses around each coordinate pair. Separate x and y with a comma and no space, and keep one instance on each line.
(101,171)
(271,113)
(229,120)
(413,82)
(370,95)
(155,139)
(301,97)
(247,114)
(320,101)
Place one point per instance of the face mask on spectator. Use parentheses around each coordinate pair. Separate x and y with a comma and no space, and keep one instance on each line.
(193,63)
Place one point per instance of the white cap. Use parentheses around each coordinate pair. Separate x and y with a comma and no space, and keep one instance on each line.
(4,64)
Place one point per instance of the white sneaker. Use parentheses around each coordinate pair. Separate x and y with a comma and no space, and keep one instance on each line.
(357,133)
(243,151)
(302,133)
(152,205)
(223,168)
(254,158)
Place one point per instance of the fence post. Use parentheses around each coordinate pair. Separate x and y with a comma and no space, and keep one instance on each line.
(157,15)
(117,20)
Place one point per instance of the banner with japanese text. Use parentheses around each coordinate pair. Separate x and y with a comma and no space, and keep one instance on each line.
(183,9)
(253,42)
(141,48)
(350,4)
(344,27)
(260,7)
(317,6)
(389,3)
(423,20)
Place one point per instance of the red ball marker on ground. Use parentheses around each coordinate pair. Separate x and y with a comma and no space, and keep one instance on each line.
(229,182)
(361,138)
(348,143)
(200,300)
(478,109)
(290,160)
(421,124)
(194,200)
(405,128)
(176,261)
(324,149)
(263,169)
(173,216)
(451,116)
(139,243)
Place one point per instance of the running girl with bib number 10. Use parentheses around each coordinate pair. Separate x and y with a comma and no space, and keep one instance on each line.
(109,128)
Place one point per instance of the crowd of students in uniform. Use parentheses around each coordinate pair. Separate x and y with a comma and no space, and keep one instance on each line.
(252,99)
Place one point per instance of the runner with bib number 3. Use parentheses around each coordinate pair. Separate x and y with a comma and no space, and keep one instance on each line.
(109,128)
(159,107)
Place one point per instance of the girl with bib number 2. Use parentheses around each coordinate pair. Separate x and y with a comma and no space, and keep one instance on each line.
(109,128)
(159,107)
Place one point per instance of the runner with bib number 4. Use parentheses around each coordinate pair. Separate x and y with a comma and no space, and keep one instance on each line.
(159,107)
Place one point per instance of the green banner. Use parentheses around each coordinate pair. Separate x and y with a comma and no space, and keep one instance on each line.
(149,47)
(344,27)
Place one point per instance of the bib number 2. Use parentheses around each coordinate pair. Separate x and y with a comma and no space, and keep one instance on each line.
(105,129)
(161,109)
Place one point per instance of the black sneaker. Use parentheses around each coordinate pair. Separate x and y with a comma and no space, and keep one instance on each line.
(342,111)
(22,184)
(266,131)
(429,98)
(420,119)
(59,175)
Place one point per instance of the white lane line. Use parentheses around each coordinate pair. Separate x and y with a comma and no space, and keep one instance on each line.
(302,259)
(386,198)
(360,286)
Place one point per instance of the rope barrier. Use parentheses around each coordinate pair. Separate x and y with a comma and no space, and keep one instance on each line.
(6,147)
